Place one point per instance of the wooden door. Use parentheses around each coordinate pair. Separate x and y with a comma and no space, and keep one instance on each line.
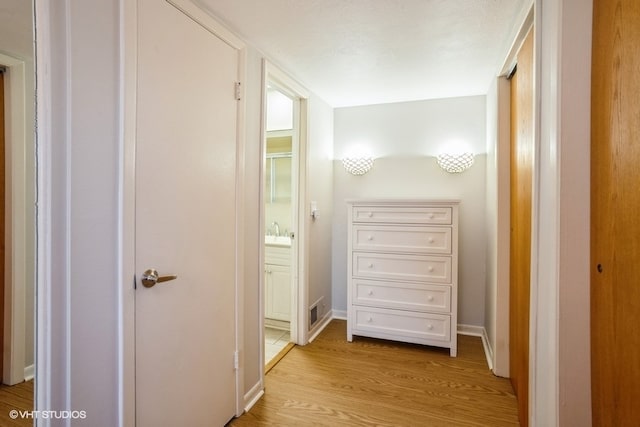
(186,220)
(2,214)
(522,149)
(615,214)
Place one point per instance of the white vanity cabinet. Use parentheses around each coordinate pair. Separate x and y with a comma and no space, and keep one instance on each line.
(278,283)
(403,271)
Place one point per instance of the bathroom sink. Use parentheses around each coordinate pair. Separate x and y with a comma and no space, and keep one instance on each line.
(277,240)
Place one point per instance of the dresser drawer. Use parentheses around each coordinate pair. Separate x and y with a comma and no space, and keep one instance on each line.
(412,326)
(402,215)
(402,239)
(403,296)
(416,268)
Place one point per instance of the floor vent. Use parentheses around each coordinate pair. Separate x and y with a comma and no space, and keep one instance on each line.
(313,315)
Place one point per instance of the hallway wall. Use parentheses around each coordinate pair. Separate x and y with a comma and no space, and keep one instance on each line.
(404,138)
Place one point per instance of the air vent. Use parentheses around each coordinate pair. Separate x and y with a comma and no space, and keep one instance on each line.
(313,315)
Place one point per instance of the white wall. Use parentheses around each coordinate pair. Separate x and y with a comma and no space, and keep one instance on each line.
(80,279)
(320,189)
(404,137)
(560,299)
(498,224)
(319,172)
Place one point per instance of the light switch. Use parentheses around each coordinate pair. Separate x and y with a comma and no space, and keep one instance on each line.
(314,209)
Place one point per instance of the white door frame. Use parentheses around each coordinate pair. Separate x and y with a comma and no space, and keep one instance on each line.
(127,226)
(17,129)
(300,253)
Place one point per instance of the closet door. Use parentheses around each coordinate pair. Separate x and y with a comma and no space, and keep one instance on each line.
(615,218)
(522,149)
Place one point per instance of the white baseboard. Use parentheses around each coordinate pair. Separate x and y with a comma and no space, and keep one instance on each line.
(479,331)
(29,372)
(322,323)
(250,398)
(339,314)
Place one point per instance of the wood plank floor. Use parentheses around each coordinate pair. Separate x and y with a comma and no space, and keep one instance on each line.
(18,397)
(331,382)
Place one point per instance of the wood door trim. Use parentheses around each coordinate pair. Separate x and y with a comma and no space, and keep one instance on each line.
(2,217)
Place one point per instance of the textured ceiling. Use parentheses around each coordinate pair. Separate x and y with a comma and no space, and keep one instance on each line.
(356,52)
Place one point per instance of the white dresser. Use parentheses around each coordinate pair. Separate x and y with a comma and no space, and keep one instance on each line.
(403,271)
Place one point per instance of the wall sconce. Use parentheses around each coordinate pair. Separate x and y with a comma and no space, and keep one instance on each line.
(357,165)
(455,163)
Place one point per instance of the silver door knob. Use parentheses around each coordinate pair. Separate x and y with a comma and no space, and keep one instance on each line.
(151,277)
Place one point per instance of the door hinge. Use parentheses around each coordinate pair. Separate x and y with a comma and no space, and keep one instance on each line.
(236,360)
(238,91)
(135,282)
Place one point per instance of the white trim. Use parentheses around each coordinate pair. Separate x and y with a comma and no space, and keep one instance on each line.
(261,228)
(303,219)
(299,249)
(559,385)
(252,396)
(285,83)
(15,259)
(208,21)
(339,314)
(479,331)
(317,330)
(510,61)
(43,362)
(488,350)
(240,238)
(550,312)
(29,372)
(126,200)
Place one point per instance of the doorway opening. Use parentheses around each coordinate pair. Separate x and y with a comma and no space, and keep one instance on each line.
(284,120)
(279,214)
(18,215)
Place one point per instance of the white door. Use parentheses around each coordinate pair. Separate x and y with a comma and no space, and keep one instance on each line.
(185,221)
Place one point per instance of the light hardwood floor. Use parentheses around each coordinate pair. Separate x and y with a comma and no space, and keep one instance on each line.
(18,397)
(331,382)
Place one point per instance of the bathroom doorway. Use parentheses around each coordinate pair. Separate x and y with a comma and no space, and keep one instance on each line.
(281,284)
(279,209)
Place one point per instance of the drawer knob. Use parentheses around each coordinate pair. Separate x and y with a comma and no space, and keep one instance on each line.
(370,214)
(370,292)
(430,216)
(430,327)
(430,298)
(369,319)
(370,265)
(430,269)
(431,240)
(370,238)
